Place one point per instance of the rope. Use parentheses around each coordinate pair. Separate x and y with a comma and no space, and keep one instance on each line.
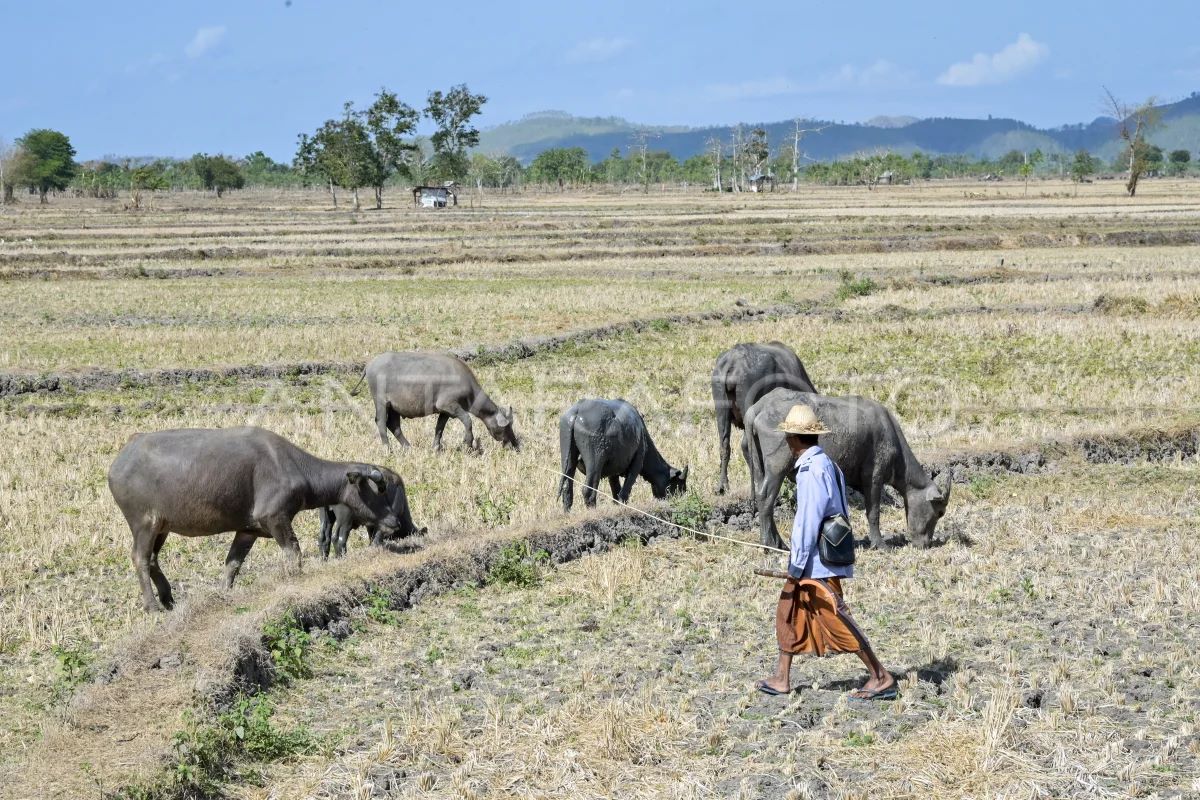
(668,522)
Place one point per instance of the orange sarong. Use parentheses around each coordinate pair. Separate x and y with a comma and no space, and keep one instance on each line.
(812,618)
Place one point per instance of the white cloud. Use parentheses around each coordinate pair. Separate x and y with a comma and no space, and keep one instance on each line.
(204,40)
(1020,56)
(599,49)
(878,74)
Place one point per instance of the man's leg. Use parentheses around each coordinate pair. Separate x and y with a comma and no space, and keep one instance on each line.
(781,680)
(786,636)
(878,678)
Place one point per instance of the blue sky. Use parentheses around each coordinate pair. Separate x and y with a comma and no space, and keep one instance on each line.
(177,77)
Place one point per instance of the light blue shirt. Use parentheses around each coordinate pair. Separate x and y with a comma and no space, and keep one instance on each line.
(818,495)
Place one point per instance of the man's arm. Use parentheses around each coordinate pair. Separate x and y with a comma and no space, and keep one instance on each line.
(811,499)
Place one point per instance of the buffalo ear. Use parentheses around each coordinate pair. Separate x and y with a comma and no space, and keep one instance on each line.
(422,530)
(354,476)
(943,483)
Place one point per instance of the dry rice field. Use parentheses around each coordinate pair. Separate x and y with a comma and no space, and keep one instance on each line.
(1046,348)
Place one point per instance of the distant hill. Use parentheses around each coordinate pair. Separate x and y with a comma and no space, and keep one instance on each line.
(534,133)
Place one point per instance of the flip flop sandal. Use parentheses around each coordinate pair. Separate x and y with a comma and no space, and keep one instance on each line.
(771,690)
(890,693)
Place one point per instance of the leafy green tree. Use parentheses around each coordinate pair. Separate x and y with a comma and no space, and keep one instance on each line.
(1082,166)
(146,178)
(452,112)
(388,121)
(7,157)
(340,154)
(484,171)
(1179,162)
(363,148)
(1030,166)
(261,170)
(1154,157)
(511,172)
(218,173)
(46,162)
(560,165)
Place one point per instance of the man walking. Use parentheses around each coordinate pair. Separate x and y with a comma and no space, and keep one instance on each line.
(812,617)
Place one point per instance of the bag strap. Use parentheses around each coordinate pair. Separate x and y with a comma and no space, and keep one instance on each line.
(842,485)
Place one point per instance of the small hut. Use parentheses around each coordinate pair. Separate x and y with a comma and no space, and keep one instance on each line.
(762,183)
(436,196)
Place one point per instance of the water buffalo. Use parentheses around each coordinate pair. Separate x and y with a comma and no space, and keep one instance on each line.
(744,373)
(337,522)
(608,439)
(197,482)
(866,442)
(410,385)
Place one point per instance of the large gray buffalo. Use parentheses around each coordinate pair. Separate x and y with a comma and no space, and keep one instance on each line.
(411,385)
(744,373)
(608,439)
(197,482)
(866,443)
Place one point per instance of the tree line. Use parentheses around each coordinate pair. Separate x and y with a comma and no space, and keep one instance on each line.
(377,147)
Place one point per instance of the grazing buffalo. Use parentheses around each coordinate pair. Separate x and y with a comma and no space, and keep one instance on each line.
(866,442)
(337,522)
(202,482)
(608,439)
(744,373)
(410,385)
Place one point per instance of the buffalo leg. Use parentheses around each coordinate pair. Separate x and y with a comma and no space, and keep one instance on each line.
(280,528)
(341,533)
(614,486)
(590,484)
(723,433)
(566,485)
(746,457)
(381,422)
(156,574)
(464,417)
(144,539)
(325,537)
(393,425)
(766,498)
(439,429)
(631,475)
(242,542)
(872,499)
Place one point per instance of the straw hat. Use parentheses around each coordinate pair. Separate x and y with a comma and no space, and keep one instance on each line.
(802,420)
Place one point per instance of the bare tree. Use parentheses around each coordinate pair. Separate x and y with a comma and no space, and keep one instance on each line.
(797,136)
(642,146)
(1134,123)
(736,149)
(717,149)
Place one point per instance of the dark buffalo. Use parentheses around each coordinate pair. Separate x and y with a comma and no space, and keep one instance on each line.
(868,445)
(743,374)
(608,439)
(197,482)
(411,385)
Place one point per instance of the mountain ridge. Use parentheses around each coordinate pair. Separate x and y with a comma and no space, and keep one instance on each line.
(991,137)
